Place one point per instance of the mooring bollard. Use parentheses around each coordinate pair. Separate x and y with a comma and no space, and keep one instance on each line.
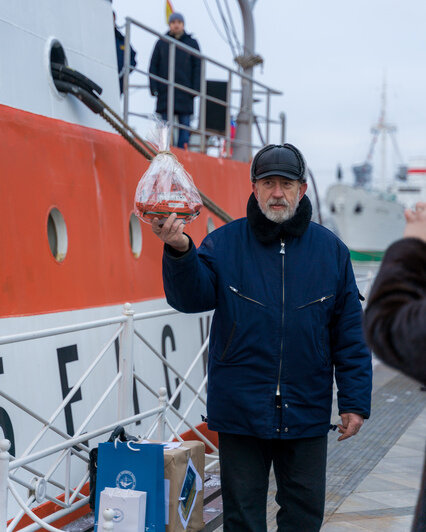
(108,515)
(4,475)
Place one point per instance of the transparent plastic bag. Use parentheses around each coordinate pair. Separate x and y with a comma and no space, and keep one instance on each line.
(166,187)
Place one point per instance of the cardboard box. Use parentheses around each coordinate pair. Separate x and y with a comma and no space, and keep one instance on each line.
(184,469)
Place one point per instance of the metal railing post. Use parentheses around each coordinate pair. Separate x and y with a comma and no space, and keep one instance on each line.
(171,89)
(162,416)
(282,118)
(125,389)
(203,92)
(4,475)
(268,115)
(126,71)
(228,115)
(108,515)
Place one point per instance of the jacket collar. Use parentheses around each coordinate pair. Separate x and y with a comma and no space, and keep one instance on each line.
(267,231)
(184,36)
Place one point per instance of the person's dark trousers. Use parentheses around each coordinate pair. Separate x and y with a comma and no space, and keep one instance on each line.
(299,466)
(183,137)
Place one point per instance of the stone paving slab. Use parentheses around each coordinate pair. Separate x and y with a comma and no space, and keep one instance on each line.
(385,500)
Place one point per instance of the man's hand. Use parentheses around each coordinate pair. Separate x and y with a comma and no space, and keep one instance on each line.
(416,222)
(171,232)
(351,423)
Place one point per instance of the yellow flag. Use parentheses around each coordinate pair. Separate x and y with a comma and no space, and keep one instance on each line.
(169,10)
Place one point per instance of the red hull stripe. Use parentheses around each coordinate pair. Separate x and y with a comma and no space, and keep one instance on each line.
(91,177)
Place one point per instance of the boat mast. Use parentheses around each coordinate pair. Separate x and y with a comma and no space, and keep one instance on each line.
(383,125)
(382,128)
(242,146)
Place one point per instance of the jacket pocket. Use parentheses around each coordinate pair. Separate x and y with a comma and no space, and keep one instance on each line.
(229,341)
(320,300)
(239,294)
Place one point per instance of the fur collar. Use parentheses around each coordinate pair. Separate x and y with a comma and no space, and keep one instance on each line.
(267,231)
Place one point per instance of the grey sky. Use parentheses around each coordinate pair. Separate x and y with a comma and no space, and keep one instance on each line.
(329,59)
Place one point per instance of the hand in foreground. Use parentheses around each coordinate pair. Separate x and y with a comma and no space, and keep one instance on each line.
(416,222)
(351,423)
(171,232)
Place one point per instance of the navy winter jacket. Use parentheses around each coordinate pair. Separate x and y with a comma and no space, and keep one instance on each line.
(287,313)
(187,73)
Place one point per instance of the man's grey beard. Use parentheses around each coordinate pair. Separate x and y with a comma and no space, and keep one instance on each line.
(279,216)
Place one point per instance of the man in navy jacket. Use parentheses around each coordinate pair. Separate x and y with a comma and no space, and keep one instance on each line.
(287,315)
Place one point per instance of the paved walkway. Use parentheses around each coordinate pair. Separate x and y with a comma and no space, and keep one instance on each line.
(373,480)
(386,498)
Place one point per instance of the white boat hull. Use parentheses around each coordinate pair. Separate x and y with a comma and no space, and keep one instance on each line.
(365,221)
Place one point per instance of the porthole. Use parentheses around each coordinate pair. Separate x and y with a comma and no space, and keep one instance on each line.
(210,225)
(135,236)
(54,53)
(57,235)
(358,208)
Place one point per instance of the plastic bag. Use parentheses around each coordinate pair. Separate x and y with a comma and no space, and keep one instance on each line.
(166,187)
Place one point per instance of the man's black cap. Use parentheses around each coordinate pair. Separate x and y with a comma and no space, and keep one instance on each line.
(283,160)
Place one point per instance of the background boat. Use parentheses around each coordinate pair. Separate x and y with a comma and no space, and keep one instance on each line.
(369,215)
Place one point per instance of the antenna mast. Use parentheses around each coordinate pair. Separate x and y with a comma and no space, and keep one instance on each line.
(242,148)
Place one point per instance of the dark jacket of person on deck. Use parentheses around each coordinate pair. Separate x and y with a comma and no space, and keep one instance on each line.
(187,73)
(287,316)
(395,318)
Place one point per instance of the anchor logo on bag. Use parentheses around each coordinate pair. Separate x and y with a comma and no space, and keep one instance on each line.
(118,515)
(126,480)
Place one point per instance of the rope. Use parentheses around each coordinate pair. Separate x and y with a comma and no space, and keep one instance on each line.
(129,134)
(139,146)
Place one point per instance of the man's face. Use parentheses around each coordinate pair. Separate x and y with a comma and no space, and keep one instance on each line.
(278,197)
(176,27)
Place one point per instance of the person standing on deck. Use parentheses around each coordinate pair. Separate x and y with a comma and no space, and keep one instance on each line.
(395,317)
(187,73)
(287,315)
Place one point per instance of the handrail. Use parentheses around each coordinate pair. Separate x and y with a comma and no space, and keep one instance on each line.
(226,140)
(75,447)
(197,53)
(33,335)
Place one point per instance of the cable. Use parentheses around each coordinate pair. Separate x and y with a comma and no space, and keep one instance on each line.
(223,37)
(234,32)
(225,25)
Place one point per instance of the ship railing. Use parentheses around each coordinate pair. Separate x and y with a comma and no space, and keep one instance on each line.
(222,139)
(43,468)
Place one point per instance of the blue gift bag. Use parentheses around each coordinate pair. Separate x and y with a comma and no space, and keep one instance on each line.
(136,466)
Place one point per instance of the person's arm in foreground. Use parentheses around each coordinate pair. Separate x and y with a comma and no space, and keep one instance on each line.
(395,318)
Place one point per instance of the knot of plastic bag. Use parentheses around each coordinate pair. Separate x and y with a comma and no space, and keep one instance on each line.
(167,152)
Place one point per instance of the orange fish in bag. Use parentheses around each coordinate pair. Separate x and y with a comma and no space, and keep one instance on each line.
(166,187)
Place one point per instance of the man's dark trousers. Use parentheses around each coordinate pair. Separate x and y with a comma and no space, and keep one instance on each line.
(299,466)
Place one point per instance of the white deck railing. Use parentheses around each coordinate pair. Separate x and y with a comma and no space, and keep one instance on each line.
(63,455)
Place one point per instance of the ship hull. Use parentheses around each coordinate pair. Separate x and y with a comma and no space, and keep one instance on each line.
(365,221)
(90,177)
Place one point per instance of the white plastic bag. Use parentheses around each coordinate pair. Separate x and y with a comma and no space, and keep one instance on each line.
(166,187)
(129,509)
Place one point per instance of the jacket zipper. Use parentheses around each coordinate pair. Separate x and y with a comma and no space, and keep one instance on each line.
(278,392)
(236,291)
(320,300)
